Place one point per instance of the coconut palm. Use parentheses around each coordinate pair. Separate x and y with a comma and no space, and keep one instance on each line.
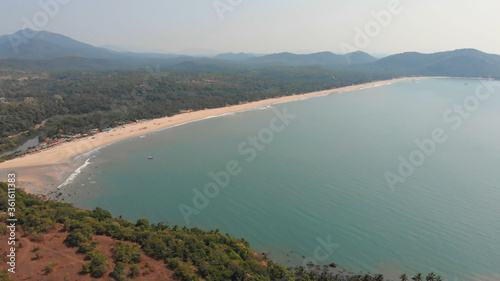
(417,277)
(430,277)
(403,277)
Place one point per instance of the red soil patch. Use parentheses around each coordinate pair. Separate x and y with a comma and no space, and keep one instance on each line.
(68,263)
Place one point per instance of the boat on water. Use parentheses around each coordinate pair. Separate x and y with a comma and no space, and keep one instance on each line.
(150,157)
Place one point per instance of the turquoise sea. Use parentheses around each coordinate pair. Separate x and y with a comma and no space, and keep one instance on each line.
(314,187)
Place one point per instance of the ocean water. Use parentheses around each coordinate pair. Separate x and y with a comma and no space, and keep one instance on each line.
(314,187)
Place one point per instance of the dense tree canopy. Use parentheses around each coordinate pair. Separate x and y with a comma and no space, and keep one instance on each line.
(192,253)
(78,101)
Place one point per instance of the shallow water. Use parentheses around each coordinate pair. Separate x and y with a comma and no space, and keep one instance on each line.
(24,147)
(316,190)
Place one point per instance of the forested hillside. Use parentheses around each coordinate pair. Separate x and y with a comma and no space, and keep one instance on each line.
(191,253)
(73,102)
(54,85)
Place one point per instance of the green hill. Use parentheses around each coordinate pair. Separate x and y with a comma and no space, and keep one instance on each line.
(191,253)
(457,63)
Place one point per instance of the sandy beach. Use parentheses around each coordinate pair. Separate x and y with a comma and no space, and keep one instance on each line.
(35,167)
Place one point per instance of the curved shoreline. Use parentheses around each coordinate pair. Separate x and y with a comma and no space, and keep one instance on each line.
(64,154)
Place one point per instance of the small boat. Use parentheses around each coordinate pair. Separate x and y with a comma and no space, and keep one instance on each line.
(150,157)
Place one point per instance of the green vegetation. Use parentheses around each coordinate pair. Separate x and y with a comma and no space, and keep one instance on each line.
(4,275)
(97,266)
(126,253)
(74,102)
(6,157)
(49,268)
(135,270)
(38,253)
(119,273)
(8,141)
(192,254)
(76,87)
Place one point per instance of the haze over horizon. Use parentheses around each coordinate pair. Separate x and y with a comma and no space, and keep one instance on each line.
(211,27)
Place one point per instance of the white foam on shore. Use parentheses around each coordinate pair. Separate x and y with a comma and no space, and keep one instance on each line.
(280,102)
(312,97)
(260,107)
(201,119)
(78,171)
(209,117)
(379,85)
(88,153)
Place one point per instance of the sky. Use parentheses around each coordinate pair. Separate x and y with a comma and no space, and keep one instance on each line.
(203,27)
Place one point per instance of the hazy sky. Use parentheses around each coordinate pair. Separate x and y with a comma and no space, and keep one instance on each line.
(265,26)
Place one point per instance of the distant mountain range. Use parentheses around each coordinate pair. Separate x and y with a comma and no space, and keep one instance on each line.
(235,57)
(460,63)
(323,58)
(29,44)
(47,50)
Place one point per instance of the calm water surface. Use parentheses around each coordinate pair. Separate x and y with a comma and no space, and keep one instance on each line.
(320,181)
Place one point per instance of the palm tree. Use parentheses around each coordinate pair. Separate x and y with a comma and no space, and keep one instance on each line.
(430,277)
(366,277)
(403,277)
(417,277)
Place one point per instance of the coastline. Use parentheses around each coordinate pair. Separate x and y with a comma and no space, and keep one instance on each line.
(81,157)
(42,172)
